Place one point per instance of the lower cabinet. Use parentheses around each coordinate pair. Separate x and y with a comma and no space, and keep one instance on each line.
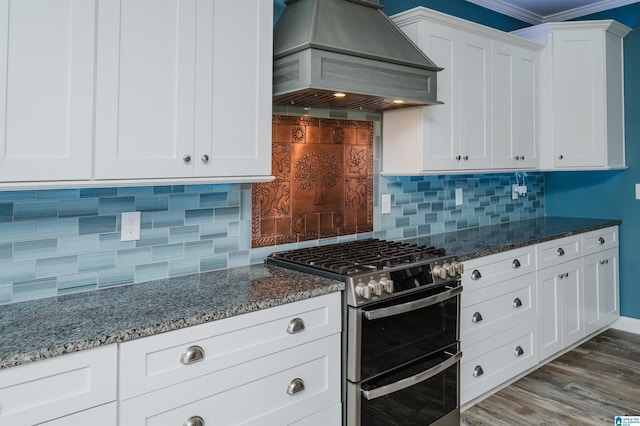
(601,298)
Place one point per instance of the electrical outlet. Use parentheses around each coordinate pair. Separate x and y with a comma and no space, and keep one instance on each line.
(385,204)
(514,192)
(130,226)
(458,196)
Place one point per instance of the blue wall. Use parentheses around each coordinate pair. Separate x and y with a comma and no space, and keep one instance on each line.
(612,194)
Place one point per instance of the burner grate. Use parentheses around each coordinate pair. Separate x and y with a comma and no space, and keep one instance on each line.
(359,256)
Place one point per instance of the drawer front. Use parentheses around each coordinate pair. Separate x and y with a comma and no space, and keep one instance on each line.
(331,416)
(255,392)
(599,240)
(104,415)
(56,387)
(490,363)
(488,270)
(555,252)
(497,308)
(155,362)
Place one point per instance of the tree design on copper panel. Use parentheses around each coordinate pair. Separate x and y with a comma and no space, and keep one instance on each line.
(317,171)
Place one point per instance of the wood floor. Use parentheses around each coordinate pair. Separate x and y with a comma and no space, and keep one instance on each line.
(589,385)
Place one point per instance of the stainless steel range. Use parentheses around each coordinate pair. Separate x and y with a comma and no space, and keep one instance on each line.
(402,311)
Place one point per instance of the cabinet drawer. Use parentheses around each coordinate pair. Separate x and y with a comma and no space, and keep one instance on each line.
(331,416)
(155,362)
(256,392)
(490,363)
(599,240)
(489,270)
(557,251)
(104,415)
(56,387)
(497,308)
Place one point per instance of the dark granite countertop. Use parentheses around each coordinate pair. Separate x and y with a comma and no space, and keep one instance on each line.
(44,328)
(486,240)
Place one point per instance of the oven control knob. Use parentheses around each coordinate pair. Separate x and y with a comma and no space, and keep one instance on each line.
(376,287)
(450,268)
(457,268)
(363,291)
(440,271)
(387,284)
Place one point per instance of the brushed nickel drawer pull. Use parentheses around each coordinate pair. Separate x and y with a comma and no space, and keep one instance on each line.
(476,318)
(194,421)
(601,241)
(560,251)
(477,372)
(475,275)
(515,264)
(192,354)
(519,351)
(295,326)
(296,385)
(517,302)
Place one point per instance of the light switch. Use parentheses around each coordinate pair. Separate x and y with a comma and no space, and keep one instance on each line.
(385,204)
(637,191)
(458,196)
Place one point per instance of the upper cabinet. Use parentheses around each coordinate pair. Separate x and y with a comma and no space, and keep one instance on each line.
(489,87)
(47,52)
(180,91)
(582,94)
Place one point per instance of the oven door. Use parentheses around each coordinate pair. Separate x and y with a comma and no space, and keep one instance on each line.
(385,335)
(424,392)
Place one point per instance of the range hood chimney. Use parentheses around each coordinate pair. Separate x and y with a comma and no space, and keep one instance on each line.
(347,54)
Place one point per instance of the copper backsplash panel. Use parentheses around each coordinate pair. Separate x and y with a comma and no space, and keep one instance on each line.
(324,181)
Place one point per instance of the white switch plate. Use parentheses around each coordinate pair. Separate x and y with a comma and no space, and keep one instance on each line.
(514,192)
(385,204)
(130,226)
(458,196)
(637,191)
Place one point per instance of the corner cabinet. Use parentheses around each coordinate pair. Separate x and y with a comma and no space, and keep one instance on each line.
(489,90)
(583,94)
(47,52)
(183,89)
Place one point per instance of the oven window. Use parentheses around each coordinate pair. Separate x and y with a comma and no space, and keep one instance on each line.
(420,404)
(401,338)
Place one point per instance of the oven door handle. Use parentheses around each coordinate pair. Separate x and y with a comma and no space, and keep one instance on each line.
(412,306)
(413,380)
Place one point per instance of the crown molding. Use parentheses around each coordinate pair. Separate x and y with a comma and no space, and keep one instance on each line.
(517,12)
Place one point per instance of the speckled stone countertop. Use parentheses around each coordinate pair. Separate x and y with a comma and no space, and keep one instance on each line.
(39,329)
(487,240)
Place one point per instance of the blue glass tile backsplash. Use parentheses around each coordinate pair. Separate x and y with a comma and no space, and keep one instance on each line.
(55,242)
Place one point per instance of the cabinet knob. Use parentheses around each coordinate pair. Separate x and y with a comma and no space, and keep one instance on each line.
(517,302)
(458,157)
(560,251)
(296,385)
(194,421)
(205,158)
(516,158)
(476,275)
(519,351)
(186,158)
(477,317)
(601,241)
(522,157)
(192,354)
(560,157)
(465,158)
(477,372)
(295,326)
(515,264)
(604,262)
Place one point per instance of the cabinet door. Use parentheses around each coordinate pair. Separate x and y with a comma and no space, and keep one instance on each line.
(572,300)
(579,102)
(233,80)
(46,89)
(515,106)
(145,88)
(457,134)
(601,299)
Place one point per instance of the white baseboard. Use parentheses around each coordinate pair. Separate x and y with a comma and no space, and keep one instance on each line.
(632,325)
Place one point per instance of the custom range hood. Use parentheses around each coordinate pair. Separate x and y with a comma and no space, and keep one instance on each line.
(347,54)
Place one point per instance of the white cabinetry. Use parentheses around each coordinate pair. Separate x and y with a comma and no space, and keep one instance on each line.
(489,85)
(498,329)
(103,415)
(57,387)
(583,94)
(248,369)
(46,89)
(180,91)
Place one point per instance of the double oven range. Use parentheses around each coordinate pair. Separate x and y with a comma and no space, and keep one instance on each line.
(402,350)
